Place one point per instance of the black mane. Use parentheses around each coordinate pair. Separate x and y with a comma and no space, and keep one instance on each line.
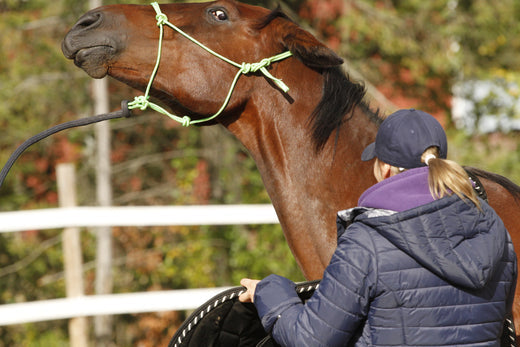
(340,97)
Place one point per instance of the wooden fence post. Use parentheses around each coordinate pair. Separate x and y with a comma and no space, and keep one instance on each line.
(72,254)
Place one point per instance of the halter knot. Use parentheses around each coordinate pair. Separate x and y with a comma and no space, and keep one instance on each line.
(254,67)
(161,19)
(263,63)
(246,68)
(186,121)
(140,102)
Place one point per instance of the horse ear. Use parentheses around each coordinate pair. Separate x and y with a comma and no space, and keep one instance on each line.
(308,49)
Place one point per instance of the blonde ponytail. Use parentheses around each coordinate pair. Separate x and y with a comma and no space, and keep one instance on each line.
(447,177)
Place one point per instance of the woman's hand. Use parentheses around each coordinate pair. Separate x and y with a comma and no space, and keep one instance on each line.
(250,285)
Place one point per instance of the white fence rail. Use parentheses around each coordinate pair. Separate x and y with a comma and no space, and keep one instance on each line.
(54,218)
(156,301)
(94,305)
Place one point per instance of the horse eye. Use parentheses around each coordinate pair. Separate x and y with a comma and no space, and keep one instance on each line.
(219,15)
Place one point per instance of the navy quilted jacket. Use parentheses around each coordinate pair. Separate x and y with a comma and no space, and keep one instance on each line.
(442,273)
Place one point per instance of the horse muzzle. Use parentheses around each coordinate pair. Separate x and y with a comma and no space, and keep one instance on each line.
(91,44)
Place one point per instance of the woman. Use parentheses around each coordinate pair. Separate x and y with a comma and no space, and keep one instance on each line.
(421,261)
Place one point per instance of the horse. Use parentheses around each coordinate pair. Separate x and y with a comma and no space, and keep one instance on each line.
(306,140)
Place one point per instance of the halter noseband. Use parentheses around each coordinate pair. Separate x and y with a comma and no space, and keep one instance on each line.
(142,101)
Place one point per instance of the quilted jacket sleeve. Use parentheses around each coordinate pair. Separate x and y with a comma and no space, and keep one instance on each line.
(332,316)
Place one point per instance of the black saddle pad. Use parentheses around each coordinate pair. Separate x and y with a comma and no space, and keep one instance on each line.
(225,321)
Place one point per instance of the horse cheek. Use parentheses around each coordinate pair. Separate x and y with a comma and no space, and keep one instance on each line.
(198,90)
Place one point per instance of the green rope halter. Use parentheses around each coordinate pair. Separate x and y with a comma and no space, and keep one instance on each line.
(143,103)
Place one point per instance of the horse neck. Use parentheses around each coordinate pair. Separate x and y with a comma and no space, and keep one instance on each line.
(306,187)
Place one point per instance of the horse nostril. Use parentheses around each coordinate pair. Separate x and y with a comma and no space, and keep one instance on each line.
(75,38)
(89,20)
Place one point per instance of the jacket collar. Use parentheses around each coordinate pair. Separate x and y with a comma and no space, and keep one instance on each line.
(401,192)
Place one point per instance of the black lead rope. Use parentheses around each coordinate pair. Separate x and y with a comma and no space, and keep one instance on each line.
(124,112)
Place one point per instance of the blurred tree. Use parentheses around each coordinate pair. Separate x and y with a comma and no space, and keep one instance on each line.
(419,49)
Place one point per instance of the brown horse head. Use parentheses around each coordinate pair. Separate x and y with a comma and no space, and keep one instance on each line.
(122,41)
